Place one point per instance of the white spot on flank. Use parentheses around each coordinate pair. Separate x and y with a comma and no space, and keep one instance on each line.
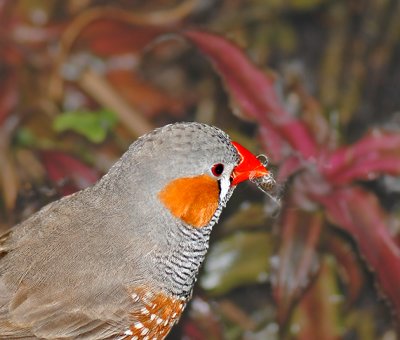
(138,325)
(144,311)
(144,331)
(126,334)
(147,297)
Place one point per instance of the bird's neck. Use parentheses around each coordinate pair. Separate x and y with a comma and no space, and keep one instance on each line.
(179,266)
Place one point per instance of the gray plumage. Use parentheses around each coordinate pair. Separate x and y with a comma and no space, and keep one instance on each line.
(66,271)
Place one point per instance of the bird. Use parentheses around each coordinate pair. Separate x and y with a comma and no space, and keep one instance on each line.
(119,260)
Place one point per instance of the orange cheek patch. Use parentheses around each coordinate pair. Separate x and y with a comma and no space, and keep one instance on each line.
(192,199)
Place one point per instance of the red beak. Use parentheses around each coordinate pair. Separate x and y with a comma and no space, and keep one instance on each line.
(249,166)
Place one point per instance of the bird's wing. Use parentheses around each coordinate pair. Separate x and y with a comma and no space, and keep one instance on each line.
(60,326)
(25,313)
(97,306)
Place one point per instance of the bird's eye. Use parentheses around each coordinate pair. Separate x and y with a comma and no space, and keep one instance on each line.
(217,169)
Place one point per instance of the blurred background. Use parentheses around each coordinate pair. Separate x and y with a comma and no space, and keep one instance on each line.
(81,79)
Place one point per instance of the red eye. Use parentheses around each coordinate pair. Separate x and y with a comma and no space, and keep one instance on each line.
(217,169)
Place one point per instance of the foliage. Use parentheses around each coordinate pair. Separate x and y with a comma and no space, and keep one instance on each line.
(311,272)
(323,178)
(93,125)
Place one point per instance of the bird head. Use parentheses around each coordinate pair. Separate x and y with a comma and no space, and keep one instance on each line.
(193,169)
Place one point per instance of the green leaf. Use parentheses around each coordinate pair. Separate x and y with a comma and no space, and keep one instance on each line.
(236,260)
(94,125)
(25,137)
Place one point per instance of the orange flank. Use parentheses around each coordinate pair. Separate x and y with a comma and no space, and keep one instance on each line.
(157,315)
(192,199)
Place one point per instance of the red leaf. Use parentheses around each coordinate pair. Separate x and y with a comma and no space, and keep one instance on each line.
(348,264)
(297,258)
(278,148)
(318,316)
(253,90)
(288,167)
(8,94)
(377,152)
(144,96)
(62,167)
(110,37)
(368,169)
(359,213)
